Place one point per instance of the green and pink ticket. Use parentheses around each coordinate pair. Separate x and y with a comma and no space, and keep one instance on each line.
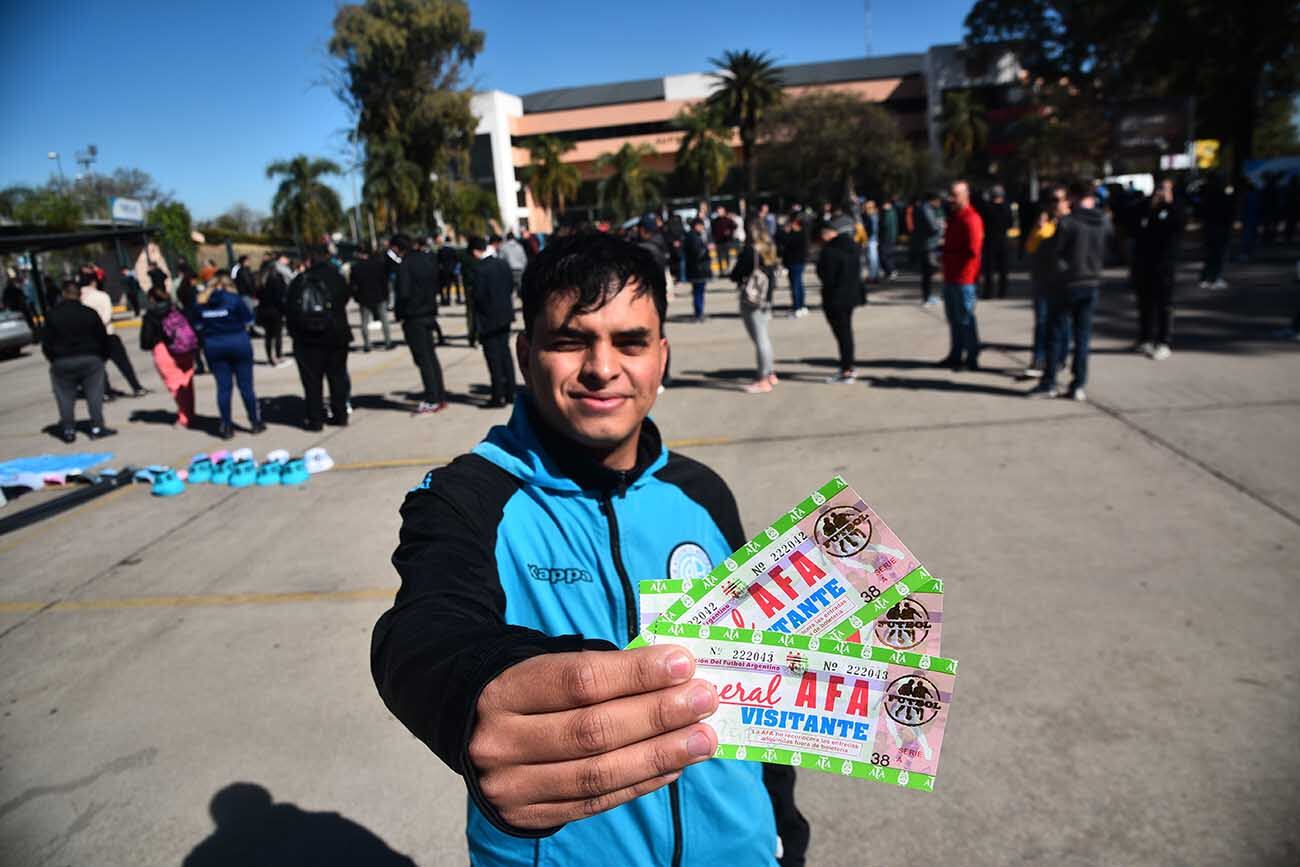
(827,705)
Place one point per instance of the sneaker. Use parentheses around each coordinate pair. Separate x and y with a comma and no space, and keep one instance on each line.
(1205,284)
(426,408)
(801,313)
(932,301)
(283,362)
(257,428)
(842,378)
(1161,352)
(268,475)
(68,435)
(294,472)
(1145,347)
(1042,391)
(349,406)
(1077,394)
(139,392)
(200,471)
(243,475)
(1219,284)
(1031,373)
(491,404)
(98,433)
(226,432)
(166,484)
(221,471)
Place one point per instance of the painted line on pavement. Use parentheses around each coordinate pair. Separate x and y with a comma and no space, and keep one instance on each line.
(212,600)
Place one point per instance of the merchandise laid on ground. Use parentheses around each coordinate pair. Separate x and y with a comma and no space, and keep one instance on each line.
(237,469)
(821,636)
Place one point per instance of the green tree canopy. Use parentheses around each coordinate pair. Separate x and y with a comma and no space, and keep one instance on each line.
(175,228)
(469,207)
(748,84)
(304,206)
(963,128)
(627,185)
(829,145)
(704,155)
(553,181)
(399,69)
(392,184)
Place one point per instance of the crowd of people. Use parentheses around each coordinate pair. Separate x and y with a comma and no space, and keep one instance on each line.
(207,318)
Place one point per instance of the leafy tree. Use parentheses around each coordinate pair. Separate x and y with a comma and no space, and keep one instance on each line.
(748,84)
(704,155)
(553,181)
(627,184)
(50,208)
(392,183)
(399,69)
(470,208)
(964,129)
(304,206)
(174,228)
(830,144)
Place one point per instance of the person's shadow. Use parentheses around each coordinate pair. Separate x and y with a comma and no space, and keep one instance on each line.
(253,830)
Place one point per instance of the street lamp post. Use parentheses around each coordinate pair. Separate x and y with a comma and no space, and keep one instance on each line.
(63,180)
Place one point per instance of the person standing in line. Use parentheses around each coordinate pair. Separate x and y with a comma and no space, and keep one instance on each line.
(998,220)
(494,309)
(514,255)
(1081,236)
(698,269)
(131,289)
(757,256)
(1158,235)
(871,231)
(166,334)
(724,235)
(369,282)
(675,236)
(318,323)
(242,275)
(768,219)
(76,344)
(271,305)
(187,296)
(841,279)
(97,299)
(1216,230)
(1044,274)
(794,255)
(449,282)
(963,239)
(223,319)
(926,240)
(417,310)
(888,238)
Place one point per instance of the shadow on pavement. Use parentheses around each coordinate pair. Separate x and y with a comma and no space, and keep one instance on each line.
(208,424)
(913,384)
(252,829)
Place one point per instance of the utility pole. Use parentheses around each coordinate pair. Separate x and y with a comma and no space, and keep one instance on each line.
(63,179)
(867,9)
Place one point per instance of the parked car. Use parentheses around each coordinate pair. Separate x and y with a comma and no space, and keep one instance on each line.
(14,333)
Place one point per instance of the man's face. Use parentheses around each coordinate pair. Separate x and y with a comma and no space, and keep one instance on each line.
(958,195)
(1167,190)
(594,376)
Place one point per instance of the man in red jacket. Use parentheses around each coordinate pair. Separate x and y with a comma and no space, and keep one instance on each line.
(962,241)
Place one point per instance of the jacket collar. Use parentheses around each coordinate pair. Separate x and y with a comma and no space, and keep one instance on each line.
(574,462)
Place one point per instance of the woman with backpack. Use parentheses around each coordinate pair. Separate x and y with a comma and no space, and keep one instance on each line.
(755,274)
(166,333)
(223,322)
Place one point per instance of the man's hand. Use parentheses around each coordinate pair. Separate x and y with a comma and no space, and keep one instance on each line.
(564,736)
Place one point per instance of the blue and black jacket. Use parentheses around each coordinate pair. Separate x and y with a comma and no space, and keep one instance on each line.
(523,547)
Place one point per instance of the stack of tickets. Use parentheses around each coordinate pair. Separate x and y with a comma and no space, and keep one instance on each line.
(821,636)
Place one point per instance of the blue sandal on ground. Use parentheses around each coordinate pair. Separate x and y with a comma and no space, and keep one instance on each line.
(166,484)
(294,472)
(243,474)
(268,475)
(200,472)
(221,472)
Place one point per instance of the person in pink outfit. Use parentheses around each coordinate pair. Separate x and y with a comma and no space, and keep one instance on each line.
(165,332)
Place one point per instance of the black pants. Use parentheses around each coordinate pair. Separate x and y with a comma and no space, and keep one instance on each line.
(419,337)
(995,265)
(117,353)
(886,253)
(273,337)
(927,275)
(1070,312)
(842,327)
(1155,295)
(501,367)
(315,363)
(78,371)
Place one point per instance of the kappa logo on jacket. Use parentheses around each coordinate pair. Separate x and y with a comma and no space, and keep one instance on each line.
(559,576)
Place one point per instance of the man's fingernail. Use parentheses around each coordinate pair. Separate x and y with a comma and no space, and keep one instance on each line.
(679,665)
(701,700)
(698,744)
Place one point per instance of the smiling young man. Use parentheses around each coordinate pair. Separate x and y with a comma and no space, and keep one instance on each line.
(519,566)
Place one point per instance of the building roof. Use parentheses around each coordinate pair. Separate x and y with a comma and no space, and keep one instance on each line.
(798,75)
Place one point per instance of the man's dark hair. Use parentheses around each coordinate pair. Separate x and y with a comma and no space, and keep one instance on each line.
(494,238)
(476,242)
(696,221)
(242,259)
(401,242)
(70,289)
(594,267)
(1079,189)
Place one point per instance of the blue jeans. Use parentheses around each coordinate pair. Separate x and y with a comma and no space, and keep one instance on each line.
(873,260)
(1070,310)
(796,286)
(1042,334)
(697,296)
(232,359)
(959,307)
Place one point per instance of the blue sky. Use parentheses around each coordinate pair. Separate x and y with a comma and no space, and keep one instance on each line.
(202,95)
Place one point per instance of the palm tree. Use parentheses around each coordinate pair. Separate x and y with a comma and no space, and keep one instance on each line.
(553,181)
(627,184)
(748,83)
(965,130)
(303,204)
(704,154)
(392,183)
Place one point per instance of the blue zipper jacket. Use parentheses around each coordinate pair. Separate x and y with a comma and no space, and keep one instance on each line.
(525,547)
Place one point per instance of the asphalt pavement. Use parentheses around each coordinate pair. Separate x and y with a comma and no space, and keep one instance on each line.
(1120,577)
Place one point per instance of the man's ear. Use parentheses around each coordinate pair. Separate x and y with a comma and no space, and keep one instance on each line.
(522,348)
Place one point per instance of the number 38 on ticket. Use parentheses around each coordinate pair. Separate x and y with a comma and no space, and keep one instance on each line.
(824,704)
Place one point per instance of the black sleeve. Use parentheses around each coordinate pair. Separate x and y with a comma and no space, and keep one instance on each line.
(707,488)
(445,638)
(101,334)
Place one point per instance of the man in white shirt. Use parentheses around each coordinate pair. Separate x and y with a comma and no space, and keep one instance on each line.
(97,299)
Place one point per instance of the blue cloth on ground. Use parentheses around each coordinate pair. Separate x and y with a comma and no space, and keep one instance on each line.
(9,470)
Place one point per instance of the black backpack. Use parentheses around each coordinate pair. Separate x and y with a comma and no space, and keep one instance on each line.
(315,306)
